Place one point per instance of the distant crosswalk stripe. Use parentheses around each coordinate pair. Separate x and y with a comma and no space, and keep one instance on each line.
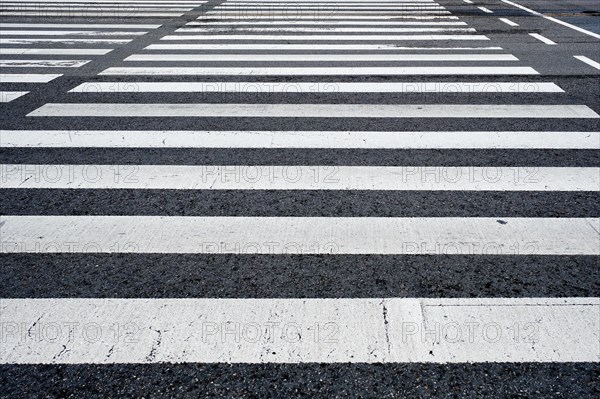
(100,2)
(90,13)
(341,330)
(75,26)
(312,47)
(293,177)
(60,41)
(327,37)
(55,51)
(324,30)
(336,16)
(316,110)
(333,236)
(318,57)
(8,96)
(43,63)
(68,33)
(298,139)
(27,77)
(318,87)
(358,71)
(323,23)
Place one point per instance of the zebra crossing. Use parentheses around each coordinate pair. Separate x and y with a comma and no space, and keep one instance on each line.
(363,181)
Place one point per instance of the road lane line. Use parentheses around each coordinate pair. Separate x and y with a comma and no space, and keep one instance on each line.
(542,38)
(486,10)
(588,61)
(306,330)
(313,177)
(298,139)
(343,235)
(508,22)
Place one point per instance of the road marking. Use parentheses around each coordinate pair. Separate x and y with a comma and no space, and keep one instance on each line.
(55,51)
(588,61)
(43,63)
(327,37)
(21,40)
(268,177)
(332,236)
(235,46)
(558,21)
(317,87)
(295,71)
(542,38)
(68,33)
(322,30)
(27,77)
(318,57)
(468,1)
(486,10)
(93,6)
(316,110)
(8,96)
(307,330)
(75,26)
(88,14)
(323,18)
(316,15)
(298,139)
(322,23)
(508,22)
(91,10)
(93,3)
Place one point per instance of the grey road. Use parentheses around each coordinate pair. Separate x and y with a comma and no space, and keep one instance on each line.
(264,198)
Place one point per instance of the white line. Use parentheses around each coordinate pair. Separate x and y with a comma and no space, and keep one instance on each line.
(318,57)
(68,33)
(91,6)
(258,177)
(69,14)
(508,22)
(486,10)
(298,139)
(54,51)
(558,21)
(322,30)
(588,61)
(313,47)
(43,63)
(335,236)
(323,18)
(327,7)
(318,15)
(327,37)
(75,26)
(317,87)
(27,77)
(8,96)
(61,40)
(369,9)
(316,110)
(292,71)
(323,23)
(468,1)
(91,10)
(542,38)
(99,2)
(350,330)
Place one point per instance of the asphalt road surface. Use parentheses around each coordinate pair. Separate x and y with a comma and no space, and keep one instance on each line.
(263,198)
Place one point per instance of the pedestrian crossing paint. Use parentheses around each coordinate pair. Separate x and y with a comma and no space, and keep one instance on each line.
(61,41)
(54,51)
(43,63)
(298,139)
(4,25)
(68,33)
(316,87)
(374,330)
(8,96)
(294,177)
(334,236)
(325,30)
(27,77)
(329,37)
(312,47)
(218,23)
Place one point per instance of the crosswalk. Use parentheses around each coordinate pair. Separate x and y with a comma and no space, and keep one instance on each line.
(363,138)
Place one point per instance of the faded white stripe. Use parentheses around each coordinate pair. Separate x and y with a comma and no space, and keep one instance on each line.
(326,37)
(8,96)
(27,77)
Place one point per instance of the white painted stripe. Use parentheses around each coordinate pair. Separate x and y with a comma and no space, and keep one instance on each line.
(334,16)
(298,139)
(75,26)
(314,47)
(324,7)
(317,14)
(91,10)
(43,63)
(55,51)
(317,87)
(92,6)
(317,110)
(542,38)
(268,177)
(61,40)
(486,10)
(27,77)
(323,30)
(508,22)
(558,21)
(588,61)
(323,23)
(293,9)
(468,1)
(327,37)
(318,57)
(68,33)
(328,2)
(99,2)
(8,96)
(90,14)
(307,330)
(306,235)
(294,71)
